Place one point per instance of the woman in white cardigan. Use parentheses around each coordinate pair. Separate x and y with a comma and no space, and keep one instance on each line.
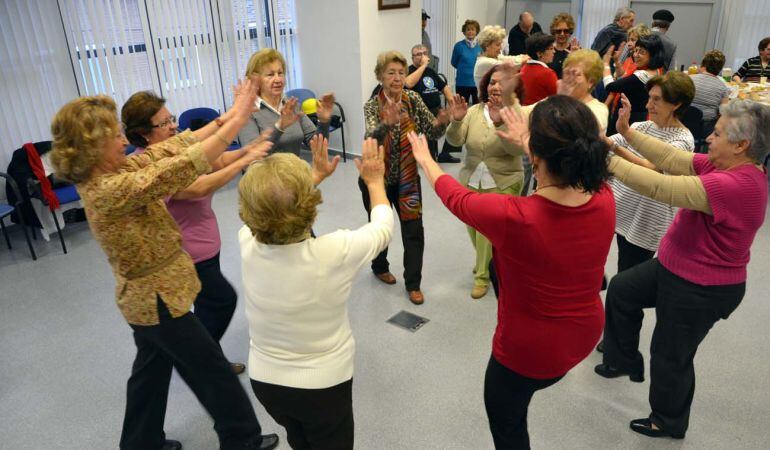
(297,287)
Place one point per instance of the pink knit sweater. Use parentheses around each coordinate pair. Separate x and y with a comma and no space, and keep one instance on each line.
(714,250)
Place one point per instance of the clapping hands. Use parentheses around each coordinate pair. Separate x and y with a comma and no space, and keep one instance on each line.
(289,114)
(325,108)
(458,108)
(322,167)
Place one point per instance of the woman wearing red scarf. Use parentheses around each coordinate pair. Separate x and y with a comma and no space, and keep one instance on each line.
(390,115)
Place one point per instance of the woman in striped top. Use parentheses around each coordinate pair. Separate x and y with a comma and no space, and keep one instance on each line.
(757,67)
(642,222)
(699,275)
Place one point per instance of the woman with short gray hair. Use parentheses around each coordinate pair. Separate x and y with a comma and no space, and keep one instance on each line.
(699,275)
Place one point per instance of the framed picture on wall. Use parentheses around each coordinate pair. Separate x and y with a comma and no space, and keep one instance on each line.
(393,4)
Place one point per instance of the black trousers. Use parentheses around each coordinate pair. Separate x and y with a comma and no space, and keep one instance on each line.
(630,255)
(433,143)
(684,312)
(318,419)
(469,93)
(506,398)
(215,303)
(185,344)
(412,237)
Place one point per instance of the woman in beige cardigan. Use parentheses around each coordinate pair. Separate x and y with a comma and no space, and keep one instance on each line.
(491,164)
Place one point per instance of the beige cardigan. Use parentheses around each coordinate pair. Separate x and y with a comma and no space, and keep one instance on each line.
(502,158)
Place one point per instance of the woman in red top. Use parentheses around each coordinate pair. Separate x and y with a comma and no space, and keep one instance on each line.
(549,250)
(538,79)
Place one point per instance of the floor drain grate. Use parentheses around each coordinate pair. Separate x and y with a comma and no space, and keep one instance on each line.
(408,321)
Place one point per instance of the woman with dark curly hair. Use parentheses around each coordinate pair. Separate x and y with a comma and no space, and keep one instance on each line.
(549,250)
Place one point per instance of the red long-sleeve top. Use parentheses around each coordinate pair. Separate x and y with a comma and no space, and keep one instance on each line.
(539,82)
(550,261)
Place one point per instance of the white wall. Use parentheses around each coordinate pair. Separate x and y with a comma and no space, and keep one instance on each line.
(470,9)
(338,47)
(329,52)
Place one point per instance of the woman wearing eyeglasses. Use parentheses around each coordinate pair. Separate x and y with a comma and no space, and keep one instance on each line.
(147,121)
(562,27)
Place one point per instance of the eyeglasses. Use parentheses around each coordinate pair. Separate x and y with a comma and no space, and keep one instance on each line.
(420,53)
(170,121)
(561,31)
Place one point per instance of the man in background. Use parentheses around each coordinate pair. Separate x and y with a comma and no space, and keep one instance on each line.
(520,32)
(661,22)
(426,82)
(426,41)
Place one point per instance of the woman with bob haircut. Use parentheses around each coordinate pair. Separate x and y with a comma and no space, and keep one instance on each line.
(562,28)
(389,116)
(302,347)
(549,250)
(156,278)
(699,275)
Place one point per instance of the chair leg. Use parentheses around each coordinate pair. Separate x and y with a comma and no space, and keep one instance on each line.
(26,236)
(58,230)
(5,233)
(344,153)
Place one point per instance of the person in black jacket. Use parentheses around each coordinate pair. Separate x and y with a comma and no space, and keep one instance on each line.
(519,33)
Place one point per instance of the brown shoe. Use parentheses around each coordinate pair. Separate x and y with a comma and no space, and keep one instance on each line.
(386,277)
(238,368)
(416,297)
(479,291)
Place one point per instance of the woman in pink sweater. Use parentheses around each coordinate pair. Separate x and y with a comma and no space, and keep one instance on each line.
(699,275)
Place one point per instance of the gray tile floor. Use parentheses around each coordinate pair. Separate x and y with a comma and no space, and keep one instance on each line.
(65,353)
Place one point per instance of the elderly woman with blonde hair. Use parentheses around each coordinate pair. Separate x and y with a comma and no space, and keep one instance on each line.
(276,111)
(389,116)
(156,279)
(490,40)
(297,289)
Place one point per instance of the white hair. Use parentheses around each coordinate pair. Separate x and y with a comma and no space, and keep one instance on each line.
(490,34)
(623,11)
(748,121)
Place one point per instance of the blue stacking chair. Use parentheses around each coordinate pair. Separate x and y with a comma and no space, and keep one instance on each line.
(337,121)
(199,117)
(6,210)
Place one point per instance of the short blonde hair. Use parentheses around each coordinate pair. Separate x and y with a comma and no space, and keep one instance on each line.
(80,130)
(490,34)
(639,31)
(385,58)
(591,62)
(262,58)
(566,18)
(277,199)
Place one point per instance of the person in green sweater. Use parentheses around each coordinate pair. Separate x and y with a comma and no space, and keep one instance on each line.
(491,164)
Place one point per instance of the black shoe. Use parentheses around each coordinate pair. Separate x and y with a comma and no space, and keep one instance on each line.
(600,346)
(607,371)
(269,442)
(171,445)
(238,368)
(644,426)
(447,158)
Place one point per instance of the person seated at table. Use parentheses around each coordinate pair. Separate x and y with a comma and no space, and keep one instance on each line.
(301,345)
(710,90)
(754,68)
(699,276)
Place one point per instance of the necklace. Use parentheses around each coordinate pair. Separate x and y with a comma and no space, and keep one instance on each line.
(539,188)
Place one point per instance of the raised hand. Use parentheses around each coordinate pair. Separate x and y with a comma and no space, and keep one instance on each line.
(289,114)
(568,83)
(244,97)
(322,167)
(510,80)
(458,108)
(494,113)
(371,164)
(325,108)
(574,44)
(424,60)
(616,55)
(391,112)
(258,149)
(624,115)
(420,148)
(517,129)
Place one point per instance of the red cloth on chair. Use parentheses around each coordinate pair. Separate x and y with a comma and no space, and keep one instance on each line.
(37,168)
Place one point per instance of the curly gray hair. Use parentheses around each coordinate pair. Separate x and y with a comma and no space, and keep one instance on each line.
(490,34)
(622,12)
(749,121)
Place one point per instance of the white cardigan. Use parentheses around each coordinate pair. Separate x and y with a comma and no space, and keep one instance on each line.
(296,302)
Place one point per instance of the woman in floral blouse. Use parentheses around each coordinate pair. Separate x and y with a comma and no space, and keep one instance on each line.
(390,115)
(156,279)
